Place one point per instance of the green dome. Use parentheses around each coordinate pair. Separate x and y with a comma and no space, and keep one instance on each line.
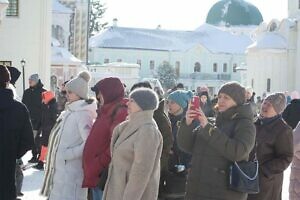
(233,13)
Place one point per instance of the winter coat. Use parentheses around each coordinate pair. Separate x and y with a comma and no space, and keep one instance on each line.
(96,154)
(16,138)
(134,171)
(32,98)
(68,172)
(178,157)
(164,126)
(291,114)
(295,168)
(49,115)
(274,153)
(214,148)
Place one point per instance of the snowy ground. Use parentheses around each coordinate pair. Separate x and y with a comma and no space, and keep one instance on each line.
(33,180)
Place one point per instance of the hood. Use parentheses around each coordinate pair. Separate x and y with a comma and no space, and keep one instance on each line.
(111,89)
(7,98)
(82,105)
(295,101)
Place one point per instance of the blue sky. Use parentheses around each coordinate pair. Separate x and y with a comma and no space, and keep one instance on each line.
(177,14)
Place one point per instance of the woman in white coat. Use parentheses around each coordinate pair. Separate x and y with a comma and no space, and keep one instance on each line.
(77,120)
(136,148)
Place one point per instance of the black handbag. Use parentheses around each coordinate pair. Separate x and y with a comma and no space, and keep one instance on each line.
(243,177)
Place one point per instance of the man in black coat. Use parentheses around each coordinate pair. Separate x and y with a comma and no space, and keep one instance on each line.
(16,136)
(32,98)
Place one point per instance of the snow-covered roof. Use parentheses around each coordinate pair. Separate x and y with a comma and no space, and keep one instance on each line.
(59,8)
(211,37)
(269,40)
(61,56)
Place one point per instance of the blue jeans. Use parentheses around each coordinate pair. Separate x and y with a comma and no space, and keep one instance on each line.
(97,193)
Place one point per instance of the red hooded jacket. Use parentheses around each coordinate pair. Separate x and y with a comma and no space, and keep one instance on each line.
(96,153)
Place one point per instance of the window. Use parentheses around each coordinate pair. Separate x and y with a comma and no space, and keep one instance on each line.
(139,62)
(268,85)
(197,67)
(152,64)
(252,83)
(299,4)
(177,68)
(234,67)
(119,60)
(13,8)
(106,60)
(224,67)
(215,67)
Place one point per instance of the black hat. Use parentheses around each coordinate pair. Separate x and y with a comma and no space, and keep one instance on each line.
(14,74)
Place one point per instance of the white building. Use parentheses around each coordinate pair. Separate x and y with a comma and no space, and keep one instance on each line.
(209,55)
(64,65)
(126,72)
(78,27)
(25,33)
(273,60)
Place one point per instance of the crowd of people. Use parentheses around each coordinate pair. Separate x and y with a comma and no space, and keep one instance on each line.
(146,145)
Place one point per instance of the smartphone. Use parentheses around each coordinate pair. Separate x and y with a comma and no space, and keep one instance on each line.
(195,103)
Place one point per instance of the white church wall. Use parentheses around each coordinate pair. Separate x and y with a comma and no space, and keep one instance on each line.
(28,36)
(264,65)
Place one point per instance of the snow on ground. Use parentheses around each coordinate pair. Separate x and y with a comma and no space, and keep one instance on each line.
(33,180)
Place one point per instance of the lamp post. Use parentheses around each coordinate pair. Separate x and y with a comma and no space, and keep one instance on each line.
(23,62)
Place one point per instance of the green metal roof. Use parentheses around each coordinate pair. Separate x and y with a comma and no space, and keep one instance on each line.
(234,13)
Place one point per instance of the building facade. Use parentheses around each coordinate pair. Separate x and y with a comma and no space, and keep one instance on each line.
(25,33)
(273,59)
(208,56)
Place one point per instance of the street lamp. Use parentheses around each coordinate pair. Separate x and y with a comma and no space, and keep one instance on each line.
(23,62)
(3,6)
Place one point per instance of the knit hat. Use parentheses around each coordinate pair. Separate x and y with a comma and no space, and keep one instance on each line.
(14,73)
(235,91)
(4,76)
(79,84)
(146,98)
(278,101)
(34,77)
(181,97)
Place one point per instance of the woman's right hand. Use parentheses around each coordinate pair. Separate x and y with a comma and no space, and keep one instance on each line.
(191,115)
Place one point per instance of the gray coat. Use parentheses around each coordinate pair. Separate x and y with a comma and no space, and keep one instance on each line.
(134,170)
(213,149)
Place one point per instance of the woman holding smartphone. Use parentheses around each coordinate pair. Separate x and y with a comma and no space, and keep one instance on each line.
(215,147)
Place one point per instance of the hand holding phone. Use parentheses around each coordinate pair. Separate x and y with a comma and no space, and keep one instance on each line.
(195,105)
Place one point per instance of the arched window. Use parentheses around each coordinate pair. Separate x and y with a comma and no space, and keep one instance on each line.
(152,64)
(215,67)
(197,67)
(224,67)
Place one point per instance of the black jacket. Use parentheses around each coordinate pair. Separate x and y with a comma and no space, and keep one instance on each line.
(32,98)
(49,115)
(16,138)
(291,114)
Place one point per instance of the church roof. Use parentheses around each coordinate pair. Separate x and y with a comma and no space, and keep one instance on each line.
(212,38)
(269,40)
(234,13)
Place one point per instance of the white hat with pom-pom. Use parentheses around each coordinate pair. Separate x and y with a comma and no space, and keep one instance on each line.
(79,84)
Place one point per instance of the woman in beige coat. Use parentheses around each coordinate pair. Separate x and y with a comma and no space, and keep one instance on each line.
(295,168)
(136,148)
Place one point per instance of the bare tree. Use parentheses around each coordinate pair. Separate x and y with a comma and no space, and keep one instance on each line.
(97,10)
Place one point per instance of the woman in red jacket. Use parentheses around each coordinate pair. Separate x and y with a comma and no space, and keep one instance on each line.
(112,111)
